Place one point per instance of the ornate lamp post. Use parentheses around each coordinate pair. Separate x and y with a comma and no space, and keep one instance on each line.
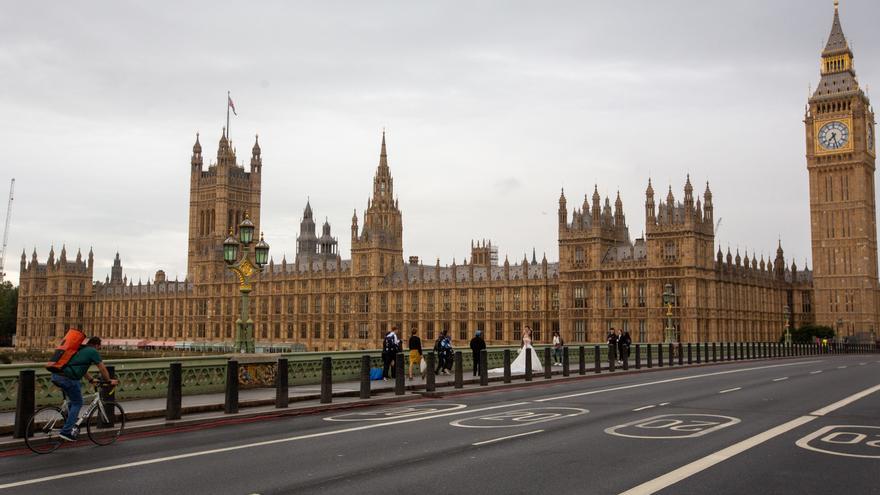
(244,268)
(668,300)
(787,335)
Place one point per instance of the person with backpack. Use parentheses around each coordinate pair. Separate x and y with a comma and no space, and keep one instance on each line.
(390,348)
(557,348)
(70,375)
(443,347)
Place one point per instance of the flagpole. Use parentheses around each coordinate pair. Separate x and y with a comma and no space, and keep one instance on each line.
(228,96)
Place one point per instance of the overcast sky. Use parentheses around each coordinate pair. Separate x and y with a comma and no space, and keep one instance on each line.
(490,108)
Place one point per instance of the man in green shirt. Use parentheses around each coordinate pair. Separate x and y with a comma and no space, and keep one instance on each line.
(69,381)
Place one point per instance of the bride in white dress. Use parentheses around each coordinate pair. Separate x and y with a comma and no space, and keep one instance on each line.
(519,364)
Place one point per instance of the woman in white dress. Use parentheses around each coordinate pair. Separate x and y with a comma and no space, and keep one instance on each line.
(519,364)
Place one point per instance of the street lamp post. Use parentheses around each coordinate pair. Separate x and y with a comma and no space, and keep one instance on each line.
(668,299)
(244,269)
(787,335)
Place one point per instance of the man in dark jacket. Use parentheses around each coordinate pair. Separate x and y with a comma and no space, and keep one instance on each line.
(625,343)
(612,346)
(477,345)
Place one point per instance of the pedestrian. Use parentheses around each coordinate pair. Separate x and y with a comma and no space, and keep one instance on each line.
(612,346)
(390,348)
(68,380)
(477,345)
(618,349)
(443,348)
(625,343)
(415,352)
(557,348)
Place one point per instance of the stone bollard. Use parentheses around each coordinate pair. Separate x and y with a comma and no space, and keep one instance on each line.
(399,375)
(698,347)
(565,363)
(506,365)
(326,380)
(528,365)
(638,356)
(680,350)
(714,353)
(582,360)
(649,357)
(706,351)
(174,398)
(625,361)
(597,358)
(430,383)
(671,355)
(459,373)
(282,390)
(690,361)
(230,405)
(366,364)
(659,355)
(24,401)
(728,351)
(548,363)
(484,367)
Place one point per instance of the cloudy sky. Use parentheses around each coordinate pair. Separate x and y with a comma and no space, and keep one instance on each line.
(490,108)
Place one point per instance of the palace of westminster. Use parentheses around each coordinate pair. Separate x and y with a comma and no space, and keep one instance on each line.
(603,279)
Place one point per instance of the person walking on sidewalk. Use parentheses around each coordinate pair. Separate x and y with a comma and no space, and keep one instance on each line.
(625,343)
(477,345)
(443,348)
(69,381)
(612,346)
(390,348)
(415,352)
(557,348)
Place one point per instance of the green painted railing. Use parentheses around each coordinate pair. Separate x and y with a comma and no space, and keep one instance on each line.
(148,377)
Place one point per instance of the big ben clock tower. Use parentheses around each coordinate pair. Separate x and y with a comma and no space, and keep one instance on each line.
(840,161)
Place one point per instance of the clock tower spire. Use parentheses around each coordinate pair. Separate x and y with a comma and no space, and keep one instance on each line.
(839,126)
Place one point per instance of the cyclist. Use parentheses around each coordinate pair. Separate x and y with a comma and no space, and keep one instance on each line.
(71,376)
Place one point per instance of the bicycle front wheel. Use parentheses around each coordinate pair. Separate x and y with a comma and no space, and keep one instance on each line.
(41,435)
(105,425)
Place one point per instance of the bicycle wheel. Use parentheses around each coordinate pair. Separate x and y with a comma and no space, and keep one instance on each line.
(41,435)
(104,427)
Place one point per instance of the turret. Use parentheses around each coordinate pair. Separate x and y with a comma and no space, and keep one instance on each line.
(91,262)
(650,212)
(597,207)
(256,157)
(563,211)
(619,220)
(707,205)
(354,226)
(196,160)
(780,262)
(688,199)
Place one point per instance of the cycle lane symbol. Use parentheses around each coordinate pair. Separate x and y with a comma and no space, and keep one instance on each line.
(397,412)
(673,426)
(519,417)
(844,440)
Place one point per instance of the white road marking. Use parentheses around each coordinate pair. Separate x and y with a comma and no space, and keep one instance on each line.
(841,367)
(862,364)
(671,380)
(672,477)
(815,372)
(780,379)
(852,398)
(642,408)
(664,403)
(851,436)
(506,438)
(146,462)
(730,390)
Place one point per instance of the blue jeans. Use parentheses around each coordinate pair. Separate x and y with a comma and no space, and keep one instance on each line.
(74,400)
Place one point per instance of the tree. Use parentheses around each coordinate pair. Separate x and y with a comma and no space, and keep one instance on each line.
(8,312)
(807,333)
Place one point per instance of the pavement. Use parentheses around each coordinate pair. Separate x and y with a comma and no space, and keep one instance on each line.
(805,425)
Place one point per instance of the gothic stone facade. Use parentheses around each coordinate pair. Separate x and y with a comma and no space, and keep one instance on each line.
(603,278)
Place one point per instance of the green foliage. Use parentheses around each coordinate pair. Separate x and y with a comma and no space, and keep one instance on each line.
(8,312)
(808,333)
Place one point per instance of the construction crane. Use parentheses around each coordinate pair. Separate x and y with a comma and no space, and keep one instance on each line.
(6,230)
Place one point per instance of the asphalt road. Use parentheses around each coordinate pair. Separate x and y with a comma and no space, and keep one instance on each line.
(809,425)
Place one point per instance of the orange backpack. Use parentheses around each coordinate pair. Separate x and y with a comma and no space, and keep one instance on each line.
(73,339)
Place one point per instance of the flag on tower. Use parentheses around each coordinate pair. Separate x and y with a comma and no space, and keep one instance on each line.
(232,105)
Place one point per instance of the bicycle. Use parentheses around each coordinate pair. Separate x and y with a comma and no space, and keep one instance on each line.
(104,422)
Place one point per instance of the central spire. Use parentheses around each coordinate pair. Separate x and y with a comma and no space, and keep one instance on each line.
(383,184)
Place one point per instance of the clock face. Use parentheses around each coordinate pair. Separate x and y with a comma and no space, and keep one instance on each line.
(833,135)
